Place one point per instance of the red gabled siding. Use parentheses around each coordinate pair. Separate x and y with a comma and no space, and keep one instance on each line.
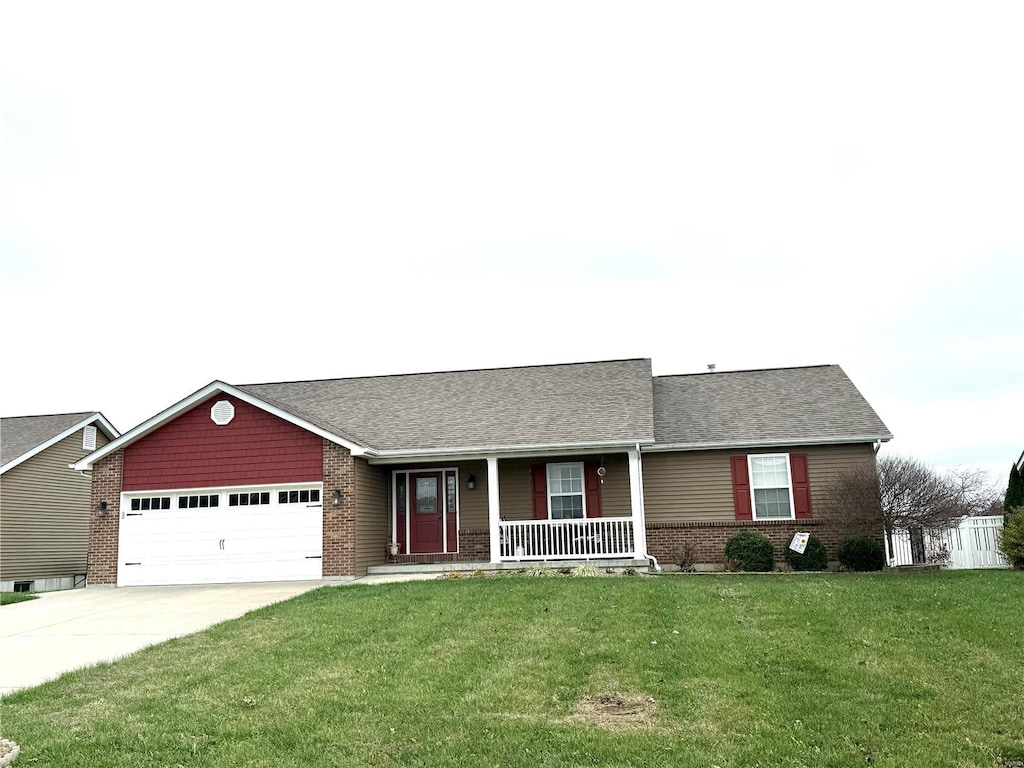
(191,451)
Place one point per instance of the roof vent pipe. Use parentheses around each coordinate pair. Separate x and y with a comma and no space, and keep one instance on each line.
(711,367)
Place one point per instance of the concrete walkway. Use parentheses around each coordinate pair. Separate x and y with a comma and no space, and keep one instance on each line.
(61,631)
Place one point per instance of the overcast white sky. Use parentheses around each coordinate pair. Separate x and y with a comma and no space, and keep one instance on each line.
(255,192)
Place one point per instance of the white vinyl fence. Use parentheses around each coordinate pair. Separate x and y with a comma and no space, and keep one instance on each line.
(972,544)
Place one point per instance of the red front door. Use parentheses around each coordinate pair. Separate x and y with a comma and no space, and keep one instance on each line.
(426,508)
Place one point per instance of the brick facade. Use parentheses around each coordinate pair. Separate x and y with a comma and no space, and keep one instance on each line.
(339,556)
(708,538)
(103,530)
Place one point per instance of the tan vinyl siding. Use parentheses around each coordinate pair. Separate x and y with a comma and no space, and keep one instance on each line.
(372,515)
(472,504)
(44,511)
(515,494)
(615,488)
(692,486)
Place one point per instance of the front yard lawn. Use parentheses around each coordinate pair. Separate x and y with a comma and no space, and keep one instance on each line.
(7,598)
(729,671)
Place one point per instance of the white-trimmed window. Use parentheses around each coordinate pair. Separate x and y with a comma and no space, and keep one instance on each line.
(771,486)
(566,499)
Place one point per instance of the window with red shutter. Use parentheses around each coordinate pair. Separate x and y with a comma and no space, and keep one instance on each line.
(566,490)
(771,486)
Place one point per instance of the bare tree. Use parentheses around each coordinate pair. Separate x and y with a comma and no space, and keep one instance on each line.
(900,493)
(975,492)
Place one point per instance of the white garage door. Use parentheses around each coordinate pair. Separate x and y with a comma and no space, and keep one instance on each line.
(217,537)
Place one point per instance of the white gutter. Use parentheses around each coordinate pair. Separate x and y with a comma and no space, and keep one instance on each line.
(661,447)
(468,453)
(643,509)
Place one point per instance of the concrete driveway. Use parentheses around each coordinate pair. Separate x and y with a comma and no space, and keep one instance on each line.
(41,639)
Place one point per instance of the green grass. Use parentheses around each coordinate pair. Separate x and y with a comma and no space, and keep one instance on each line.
(8,598)
(806,670)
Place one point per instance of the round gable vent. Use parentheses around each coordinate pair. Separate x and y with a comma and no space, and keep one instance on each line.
(222,412)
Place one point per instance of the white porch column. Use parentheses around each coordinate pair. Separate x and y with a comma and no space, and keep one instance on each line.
(636,502)
(493,508)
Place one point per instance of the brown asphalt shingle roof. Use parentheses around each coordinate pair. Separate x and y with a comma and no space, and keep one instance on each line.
(20,434)
(817,403)
(501,407)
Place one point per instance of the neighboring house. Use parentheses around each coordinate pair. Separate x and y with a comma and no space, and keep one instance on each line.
(318,479)
(44,505)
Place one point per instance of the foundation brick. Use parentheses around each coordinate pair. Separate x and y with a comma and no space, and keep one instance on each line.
(708,539)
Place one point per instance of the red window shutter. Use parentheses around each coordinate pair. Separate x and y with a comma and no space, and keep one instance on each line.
(741,488)
(801,485)
(592,483)
(540,491)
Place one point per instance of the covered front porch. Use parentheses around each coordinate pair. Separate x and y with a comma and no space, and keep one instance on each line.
(492,510)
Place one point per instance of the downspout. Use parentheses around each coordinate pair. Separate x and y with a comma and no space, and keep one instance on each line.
(643,511)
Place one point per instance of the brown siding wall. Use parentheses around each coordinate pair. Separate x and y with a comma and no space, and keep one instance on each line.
(696,486)
(44,507)
(373,515)
(689,504)
(472,504)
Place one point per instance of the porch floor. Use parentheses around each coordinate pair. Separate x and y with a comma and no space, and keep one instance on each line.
(622,562)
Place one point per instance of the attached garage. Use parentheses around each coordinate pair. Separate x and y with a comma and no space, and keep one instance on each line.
(204,536)
(222,488)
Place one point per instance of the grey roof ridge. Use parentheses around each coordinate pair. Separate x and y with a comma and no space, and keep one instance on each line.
(749,370)
(439,373)
(46,415)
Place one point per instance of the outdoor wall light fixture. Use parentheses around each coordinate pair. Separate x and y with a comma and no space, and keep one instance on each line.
(103,509)
(471,482)
(336,497)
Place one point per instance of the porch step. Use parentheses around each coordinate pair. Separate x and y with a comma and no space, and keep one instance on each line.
(625,562)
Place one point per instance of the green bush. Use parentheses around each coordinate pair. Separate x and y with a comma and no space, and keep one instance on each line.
(750,551)
(861,555)
(1011,542)
(814,558)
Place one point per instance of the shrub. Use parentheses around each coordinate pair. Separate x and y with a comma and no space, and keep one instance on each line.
(539,571)
(1011,542)
(685,556)
(814,557)
(861,555)
(585,570)
(750,551)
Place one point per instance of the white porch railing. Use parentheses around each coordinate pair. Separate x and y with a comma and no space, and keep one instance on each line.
(974,543)
(584,539)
